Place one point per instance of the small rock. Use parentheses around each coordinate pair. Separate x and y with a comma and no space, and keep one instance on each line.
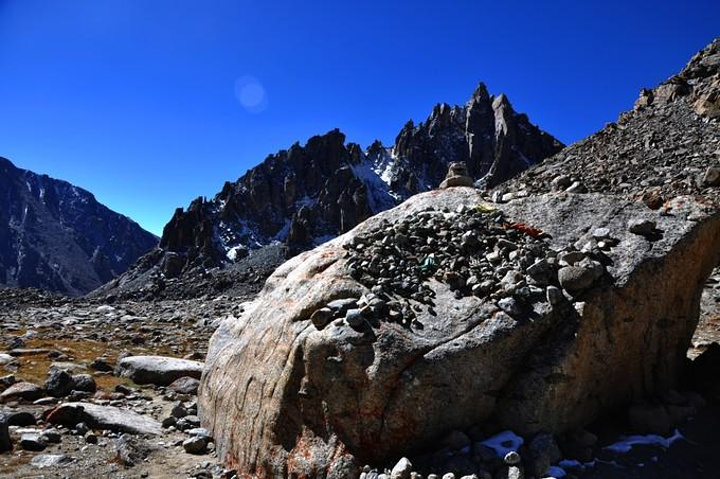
(577,187)
(31,442)
(91,438)
(7,381)
(510,306)
(129,451)
(178,411)
(341,306)
(5,442)
(81,429)
(84,382)
(158,370)
(100,364)
(575,278)
(402,469)
(42,461)
(103,417)
(354,318)
(21,419)
(59,383)
(169,421)
(51,436)
(712,176)
(195,445)
(198,431)
(641,227)
(192,420)
(601,233)
(544,451)
(22,390)
(322,317)
(185,385)
(554,295)
(570,258)
(512,458)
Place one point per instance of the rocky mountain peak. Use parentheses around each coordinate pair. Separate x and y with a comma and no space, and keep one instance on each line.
(480,95)
(56,236)
(310,193)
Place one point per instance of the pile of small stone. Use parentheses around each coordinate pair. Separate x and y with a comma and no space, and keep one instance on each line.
(476,251)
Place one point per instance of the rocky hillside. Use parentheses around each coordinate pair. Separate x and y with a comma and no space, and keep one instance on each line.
(56,236)
(668,145)
(308,194)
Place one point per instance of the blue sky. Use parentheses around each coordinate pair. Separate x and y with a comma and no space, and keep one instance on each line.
(151,103)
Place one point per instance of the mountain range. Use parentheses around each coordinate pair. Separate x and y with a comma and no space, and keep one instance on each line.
(307,194)
(56,236)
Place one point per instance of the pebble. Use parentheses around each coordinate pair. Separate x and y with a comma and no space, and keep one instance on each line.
(42,461)
(322,317)
(59,383)
(169,421)
(601,233)
(91,438)
(51,436)
(178,411)
(512,458)
(185,385)
(100,364)
(575,278)
(354,318)
(711,176)
(21,419)
(510,306)
(31,441)
(195,445)
(642,227)
(5,442)
(402,469)
(554,295)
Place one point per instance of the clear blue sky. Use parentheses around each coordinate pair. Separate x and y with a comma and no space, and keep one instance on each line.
(150,103)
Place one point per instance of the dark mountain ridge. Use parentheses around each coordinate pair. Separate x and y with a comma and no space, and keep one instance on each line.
(305,195)
(56,236)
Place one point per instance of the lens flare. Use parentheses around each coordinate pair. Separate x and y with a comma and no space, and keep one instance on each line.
(251,94)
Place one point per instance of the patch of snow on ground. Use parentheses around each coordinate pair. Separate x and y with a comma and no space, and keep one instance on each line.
(504,442)
(626,444)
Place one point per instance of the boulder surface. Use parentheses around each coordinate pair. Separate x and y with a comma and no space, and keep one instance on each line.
(430,343)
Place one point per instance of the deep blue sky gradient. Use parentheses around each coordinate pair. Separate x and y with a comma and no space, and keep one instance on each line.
(135,100)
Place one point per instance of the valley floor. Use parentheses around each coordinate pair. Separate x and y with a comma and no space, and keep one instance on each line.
(38,330)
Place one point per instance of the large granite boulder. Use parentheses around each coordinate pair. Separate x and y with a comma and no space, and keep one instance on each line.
(446,312)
